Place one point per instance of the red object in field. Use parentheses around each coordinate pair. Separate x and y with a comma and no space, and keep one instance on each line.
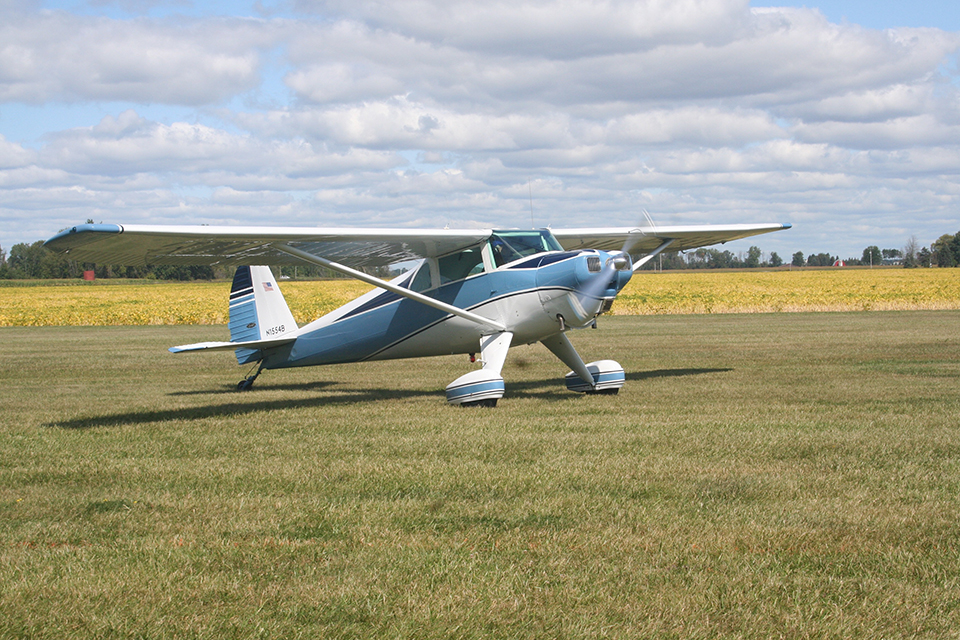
(89,275)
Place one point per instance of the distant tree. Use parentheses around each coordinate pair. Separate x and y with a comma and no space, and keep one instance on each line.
(872,255)
(33,261)
(940,248)
(775,260)
(180,272)
(820,260)
(923,257)
(797,259)
(698,258)
(669,261)
(891,253)
(910,253)
(955,248)
(723,259)
(753,258)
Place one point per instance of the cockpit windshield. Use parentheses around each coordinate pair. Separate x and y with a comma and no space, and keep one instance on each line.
(508,246)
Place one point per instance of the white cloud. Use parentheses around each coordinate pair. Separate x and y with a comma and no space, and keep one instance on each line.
(428,112)
(13,156)
(130,144)
(58,56)
(570,29)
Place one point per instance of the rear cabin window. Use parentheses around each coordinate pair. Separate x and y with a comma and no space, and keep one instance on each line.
(421,280)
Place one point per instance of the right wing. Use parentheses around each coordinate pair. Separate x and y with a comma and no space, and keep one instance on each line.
(643,240)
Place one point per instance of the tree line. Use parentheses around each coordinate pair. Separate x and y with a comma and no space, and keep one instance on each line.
(943,252)
(32,261)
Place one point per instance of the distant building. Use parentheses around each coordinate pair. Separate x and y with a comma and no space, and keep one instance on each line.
(839,263)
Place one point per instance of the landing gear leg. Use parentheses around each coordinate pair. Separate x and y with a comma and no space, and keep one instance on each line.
(247,383)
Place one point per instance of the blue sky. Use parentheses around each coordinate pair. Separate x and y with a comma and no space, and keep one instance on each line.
(842,118)
(884,15)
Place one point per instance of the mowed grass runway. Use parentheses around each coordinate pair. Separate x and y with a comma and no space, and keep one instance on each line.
(760,475)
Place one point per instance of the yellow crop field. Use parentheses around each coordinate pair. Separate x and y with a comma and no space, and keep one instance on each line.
(650,293)
(111,303)
(156,303)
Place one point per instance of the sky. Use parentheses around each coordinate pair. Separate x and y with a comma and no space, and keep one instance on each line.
(841,118)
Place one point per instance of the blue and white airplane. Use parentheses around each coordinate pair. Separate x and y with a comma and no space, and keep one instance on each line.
(476,290)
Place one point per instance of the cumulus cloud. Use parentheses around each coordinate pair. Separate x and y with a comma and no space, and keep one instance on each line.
(58,56)
(130,144)
(426,112)
(543,28)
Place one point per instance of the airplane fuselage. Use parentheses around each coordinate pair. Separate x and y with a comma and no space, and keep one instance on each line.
(534,298)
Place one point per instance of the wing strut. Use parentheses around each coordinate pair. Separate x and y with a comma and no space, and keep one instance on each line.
(383,284)
(653,254)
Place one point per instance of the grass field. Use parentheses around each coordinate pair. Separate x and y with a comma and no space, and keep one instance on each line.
(763,475)
(77,303)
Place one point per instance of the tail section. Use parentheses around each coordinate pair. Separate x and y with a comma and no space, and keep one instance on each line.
(258,311)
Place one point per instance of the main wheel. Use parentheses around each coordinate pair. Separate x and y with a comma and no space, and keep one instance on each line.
(489,402)
(604,392)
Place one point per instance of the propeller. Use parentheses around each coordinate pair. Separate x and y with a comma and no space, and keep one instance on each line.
(622,261)
(634,236)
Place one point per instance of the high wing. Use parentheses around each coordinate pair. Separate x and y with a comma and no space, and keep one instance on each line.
(644,240)
(139,245)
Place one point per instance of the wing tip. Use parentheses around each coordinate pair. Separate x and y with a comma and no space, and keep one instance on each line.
(61,241)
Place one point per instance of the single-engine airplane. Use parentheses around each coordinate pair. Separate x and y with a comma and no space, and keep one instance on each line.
(474,290)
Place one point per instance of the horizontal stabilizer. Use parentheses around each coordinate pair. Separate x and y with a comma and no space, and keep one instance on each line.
(226,346)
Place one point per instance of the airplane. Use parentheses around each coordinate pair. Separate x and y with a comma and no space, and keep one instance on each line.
(474,290)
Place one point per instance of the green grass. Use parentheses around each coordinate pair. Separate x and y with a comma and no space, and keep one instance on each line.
(779,475)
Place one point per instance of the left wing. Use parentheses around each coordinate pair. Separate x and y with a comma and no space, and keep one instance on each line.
(139,245)
(342,250)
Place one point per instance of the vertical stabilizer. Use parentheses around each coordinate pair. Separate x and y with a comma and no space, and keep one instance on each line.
(257,310)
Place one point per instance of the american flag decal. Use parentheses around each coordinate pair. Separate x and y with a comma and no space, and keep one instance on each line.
(267,286)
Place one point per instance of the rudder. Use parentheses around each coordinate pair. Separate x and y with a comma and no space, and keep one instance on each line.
(257,310)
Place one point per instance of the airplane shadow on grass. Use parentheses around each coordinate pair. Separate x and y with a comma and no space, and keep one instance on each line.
(315,385)
(539,389)
(550,391)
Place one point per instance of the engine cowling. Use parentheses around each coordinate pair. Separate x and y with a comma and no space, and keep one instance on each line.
(581,287)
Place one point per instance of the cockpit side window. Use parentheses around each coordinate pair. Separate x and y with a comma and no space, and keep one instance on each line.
(508,246)
(460,265)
